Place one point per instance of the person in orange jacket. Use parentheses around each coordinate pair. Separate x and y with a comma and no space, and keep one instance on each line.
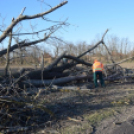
(97,72)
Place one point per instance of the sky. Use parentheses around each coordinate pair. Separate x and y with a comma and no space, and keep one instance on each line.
(88,19)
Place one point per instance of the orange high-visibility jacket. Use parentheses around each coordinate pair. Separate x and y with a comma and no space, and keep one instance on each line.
(97,66)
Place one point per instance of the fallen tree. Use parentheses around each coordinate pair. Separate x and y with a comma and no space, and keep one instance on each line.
(58,73)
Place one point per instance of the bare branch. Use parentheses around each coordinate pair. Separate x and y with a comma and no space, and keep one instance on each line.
(20,18)
(104,34)
(109,52)
(120,61)
(100,42)
(24,44)
(22,11)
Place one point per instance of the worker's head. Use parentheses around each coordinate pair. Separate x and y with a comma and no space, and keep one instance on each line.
(95,61)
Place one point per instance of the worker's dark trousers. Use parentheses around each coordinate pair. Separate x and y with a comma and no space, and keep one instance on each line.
(99,74)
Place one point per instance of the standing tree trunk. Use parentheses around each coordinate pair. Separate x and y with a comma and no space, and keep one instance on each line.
(8,54)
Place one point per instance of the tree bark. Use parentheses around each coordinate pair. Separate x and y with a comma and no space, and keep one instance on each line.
(57,81)
(7,56)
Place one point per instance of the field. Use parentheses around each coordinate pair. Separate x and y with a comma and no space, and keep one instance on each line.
(128,65)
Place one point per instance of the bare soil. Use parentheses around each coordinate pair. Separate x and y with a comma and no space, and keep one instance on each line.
(121,123)
(91,111)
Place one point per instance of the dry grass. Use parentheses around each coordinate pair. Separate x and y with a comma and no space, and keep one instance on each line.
(129,65)
(17,66)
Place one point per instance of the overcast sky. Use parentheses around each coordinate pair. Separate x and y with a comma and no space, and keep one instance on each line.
(88,18)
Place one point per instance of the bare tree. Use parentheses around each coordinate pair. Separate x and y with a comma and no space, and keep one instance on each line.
(14,32)
(26,17)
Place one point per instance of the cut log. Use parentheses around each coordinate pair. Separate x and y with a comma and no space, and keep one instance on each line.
(57,81)
(38,74)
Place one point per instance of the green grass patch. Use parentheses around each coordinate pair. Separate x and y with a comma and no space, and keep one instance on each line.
(81,128)
(100,115)
(89,121)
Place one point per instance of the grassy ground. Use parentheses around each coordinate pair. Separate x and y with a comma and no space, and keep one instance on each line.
(18,66)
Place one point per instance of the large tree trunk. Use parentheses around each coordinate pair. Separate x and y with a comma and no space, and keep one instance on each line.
(57,81)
